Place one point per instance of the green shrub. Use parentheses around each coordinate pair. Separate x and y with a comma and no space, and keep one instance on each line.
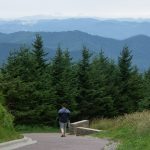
(2,99)
(7,131)
(6,119)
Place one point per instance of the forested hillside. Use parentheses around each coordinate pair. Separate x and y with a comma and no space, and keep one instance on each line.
(75,40)
(35,86)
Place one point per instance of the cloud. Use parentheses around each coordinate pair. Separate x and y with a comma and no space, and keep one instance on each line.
(95,8)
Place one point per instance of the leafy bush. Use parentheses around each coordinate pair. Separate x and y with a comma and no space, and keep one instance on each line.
(6,119)
(7,131)
(2,100)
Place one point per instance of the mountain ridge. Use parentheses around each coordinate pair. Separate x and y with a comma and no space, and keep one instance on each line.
(75,40)
(112,28)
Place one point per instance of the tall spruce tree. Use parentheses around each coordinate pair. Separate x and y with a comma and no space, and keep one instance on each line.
(84,98)
(63,79)
(17,84)
(129,84)
(38,52)
(69,81)
(103,85)
(2,99)
(28,93)
(57,74)
(44,93)
(145,102)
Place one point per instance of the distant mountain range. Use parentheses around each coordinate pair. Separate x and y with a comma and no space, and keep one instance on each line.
(117,29)
(75,40)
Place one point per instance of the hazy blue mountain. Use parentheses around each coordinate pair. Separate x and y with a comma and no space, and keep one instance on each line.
(118,29)
(75,40)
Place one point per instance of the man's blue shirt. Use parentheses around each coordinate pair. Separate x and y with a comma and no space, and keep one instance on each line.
(64,115)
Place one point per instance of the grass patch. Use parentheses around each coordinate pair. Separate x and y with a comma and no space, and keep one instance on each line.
(36,129)
(132,130)
(8,135)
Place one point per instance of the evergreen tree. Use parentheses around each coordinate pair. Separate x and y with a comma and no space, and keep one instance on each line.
(16,73)
(28,98)
(129,84)
(33,90)
(2,99)
(44,93)
(57,73)
(84,98)
(103,87)
(69,81)
(63,79)
(145,102)
(38,52)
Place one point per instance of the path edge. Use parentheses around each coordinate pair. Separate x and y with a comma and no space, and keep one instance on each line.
(14,144)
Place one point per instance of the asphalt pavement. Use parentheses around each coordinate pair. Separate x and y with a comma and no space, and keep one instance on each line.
(53,141)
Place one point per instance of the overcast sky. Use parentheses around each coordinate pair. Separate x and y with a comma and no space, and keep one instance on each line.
(76,8)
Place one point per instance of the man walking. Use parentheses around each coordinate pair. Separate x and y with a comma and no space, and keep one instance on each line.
(63,115)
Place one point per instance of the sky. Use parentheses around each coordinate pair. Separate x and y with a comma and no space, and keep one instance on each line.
(75,8)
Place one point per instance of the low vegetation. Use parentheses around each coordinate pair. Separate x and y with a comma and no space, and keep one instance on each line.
(7,131)
(132,130)
(36,129)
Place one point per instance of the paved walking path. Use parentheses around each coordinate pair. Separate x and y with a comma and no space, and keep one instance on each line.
(53,141)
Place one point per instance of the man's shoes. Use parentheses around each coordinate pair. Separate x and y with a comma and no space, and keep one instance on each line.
(63,136)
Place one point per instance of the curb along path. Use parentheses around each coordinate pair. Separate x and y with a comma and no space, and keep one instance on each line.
(53,141)
(16,143)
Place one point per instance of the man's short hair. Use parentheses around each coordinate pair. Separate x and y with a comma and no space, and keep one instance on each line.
(64,105)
